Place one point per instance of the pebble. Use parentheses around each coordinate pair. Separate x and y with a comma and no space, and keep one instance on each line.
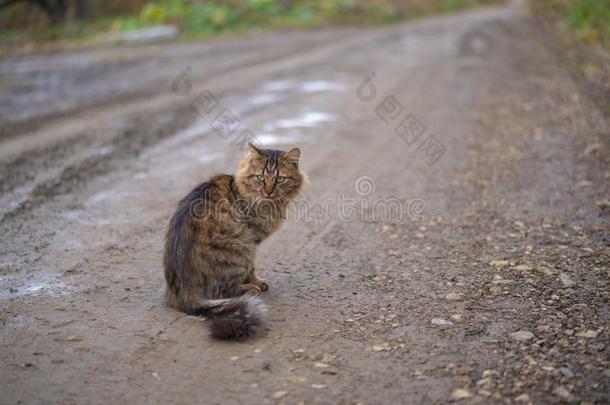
(440,321)
(456,317)
(563,393)
(498,263)
(566,280)
(279,394)
(453,297)
(500,280)
(567,373)
(589,334)
(460,394)
(523,398)
(522,335)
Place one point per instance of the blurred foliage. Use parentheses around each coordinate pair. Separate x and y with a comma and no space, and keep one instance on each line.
(589,20)
(215,16)
(195,17)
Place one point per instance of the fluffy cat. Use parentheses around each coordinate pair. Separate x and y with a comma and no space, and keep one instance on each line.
(212,238)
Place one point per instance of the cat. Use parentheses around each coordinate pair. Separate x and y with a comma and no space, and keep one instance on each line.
(212,238)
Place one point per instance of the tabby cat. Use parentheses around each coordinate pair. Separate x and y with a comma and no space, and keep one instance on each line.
(213,235)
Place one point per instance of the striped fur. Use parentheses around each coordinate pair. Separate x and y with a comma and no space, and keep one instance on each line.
(212,237)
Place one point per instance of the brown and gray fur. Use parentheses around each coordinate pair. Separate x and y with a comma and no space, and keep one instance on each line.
(212,238)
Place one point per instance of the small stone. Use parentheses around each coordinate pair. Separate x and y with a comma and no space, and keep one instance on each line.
(566,280)
(327,358)
(521,267)
(321,365)
(500,280)
(279,394)
(441,322)
(545,270)
(318,386)
(453,297)
(523,398)
(589,334)
(522,335)
(566,372)
(74,338)
(460,394)
(380,348)
(563,393)
(498,263)
(234,358)
(591,149)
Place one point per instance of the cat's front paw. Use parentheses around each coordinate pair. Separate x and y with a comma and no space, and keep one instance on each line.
(262,284)
(249,288)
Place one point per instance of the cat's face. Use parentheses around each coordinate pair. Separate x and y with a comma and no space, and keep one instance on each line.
(270,174)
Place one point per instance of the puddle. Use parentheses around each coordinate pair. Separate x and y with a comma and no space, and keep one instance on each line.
(105,195)
(40,283)
(278,85)
(312,86)
(103,151)
(307,120)
(272,139)
(199,128)
(321,85)
(264,99)
(209,158)
(12,201)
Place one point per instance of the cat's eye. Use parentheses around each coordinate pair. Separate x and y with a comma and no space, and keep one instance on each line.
(280,179)
(260,179)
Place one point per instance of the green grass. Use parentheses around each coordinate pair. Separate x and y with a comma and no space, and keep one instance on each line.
(587,20)
(208,18)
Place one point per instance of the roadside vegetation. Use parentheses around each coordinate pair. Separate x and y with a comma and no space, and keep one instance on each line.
(26,22)
(587,20)
(583,29)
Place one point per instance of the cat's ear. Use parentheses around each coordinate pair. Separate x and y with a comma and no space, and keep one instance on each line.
(254,150)
(293,155)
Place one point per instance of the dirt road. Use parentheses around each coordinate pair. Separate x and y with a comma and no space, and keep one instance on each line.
(487,281)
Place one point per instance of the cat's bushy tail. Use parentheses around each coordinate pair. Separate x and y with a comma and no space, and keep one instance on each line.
(234,318)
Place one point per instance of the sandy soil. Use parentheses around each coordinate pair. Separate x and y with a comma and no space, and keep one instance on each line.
(490,284)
